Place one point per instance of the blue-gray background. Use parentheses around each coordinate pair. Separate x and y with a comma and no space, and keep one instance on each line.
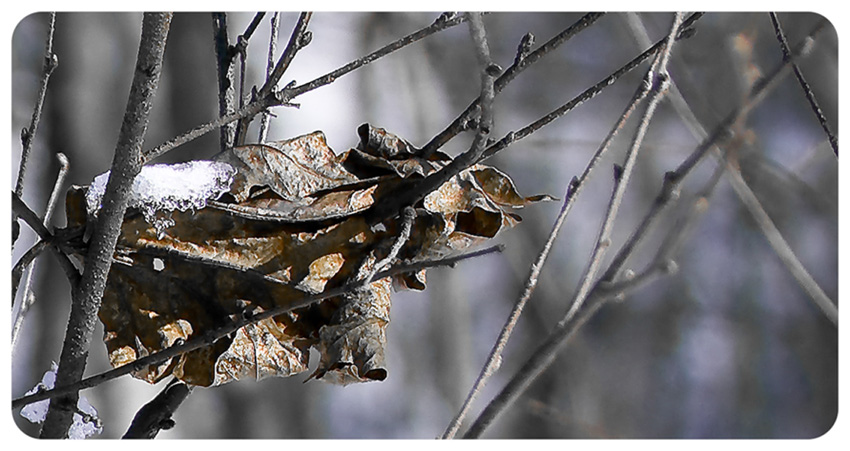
(730,346)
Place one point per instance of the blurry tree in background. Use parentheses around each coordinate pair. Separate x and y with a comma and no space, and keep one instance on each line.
(729,345)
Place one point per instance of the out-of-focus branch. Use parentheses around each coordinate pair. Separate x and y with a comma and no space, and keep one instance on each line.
(742,189)
(780,246)
(125,166)
(51,61)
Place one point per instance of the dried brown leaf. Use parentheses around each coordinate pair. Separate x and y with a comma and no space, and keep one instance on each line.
(288,227)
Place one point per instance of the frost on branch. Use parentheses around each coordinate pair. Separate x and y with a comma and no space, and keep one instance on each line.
(82,427)
(290,223)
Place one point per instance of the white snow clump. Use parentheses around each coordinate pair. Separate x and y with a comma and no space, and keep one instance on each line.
(81,428)
(168,187)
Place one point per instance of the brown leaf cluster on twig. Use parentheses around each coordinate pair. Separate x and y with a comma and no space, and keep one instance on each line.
(290,225)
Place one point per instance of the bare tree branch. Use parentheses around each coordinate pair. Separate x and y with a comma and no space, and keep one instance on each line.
(572,190)
(126,164)
(655,84)
(51,61)
(780,246)
(810,96)
(26,297)
(588,93)
(546,352)
(523,61)
(275,25)
(226,79)
(156,415)
(205,340)
(287,94)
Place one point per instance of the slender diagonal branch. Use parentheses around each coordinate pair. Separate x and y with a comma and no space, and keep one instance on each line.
(810,96)
(523,61)
(51,61)
(299,38)
(408,197)
(780,246)
(748,198)
(588,93)
(656,83)
(673,179)
(26,298)
(543,356)
(572,191)
(287,94)
(205,340)
(126,164)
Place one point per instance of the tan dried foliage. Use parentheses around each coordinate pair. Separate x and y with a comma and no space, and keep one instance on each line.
(291,225)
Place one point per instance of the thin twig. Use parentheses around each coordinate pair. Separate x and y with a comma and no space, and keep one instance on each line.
(656,83)
(299,38)
(18,270)
(673,179)
(264,119)
(24,212)
(522,61)
(572,191)
(209,338)
(810,96)
(588,93)
(543,356)
(408,216)
(226,79)
(780,246)
(748,198)
(287,94)
(20,209)
(126,164)
(241,49)
(26,298)
(51,61)
(390,208)
(444,21)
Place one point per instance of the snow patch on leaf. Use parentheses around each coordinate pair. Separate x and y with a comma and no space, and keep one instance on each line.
(168,187)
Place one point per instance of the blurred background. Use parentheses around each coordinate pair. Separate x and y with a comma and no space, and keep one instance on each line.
(728,347)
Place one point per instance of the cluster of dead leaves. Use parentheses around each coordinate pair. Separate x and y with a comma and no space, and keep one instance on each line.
(292,224)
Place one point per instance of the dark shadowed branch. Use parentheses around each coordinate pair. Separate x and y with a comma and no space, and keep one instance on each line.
(810,95)
(156,415)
